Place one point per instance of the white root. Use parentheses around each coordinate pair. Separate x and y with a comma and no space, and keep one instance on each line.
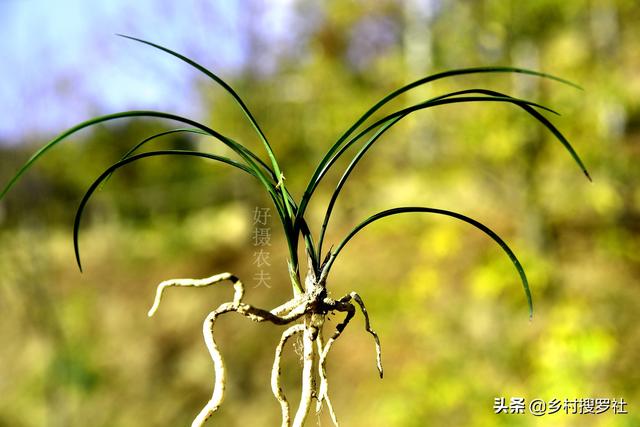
(322,372)
(237,285)
(313,306)
(367,326)
(308,379)
(276,385)
(323,391)
(288,306)
(220,379)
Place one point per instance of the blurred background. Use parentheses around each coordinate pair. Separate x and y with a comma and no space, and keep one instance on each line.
(444,298)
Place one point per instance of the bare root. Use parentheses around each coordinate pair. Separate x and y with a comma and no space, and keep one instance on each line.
(308,379)
(276,385)
(220,379)
(367,326)
(313,305)
(198,283)
(323,391)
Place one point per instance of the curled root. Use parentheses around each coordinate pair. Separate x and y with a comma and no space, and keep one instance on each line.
(276,385)
(312,306)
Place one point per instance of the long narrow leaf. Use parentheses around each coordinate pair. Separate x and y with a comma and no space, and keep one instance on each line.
(242,151)
(125,114)
(391,120)
(432,103)
(387,122)
(156,136)
(526,105)
(541,118)
(145,141)
(491,93)
(148,139)
(421,209)
(311,186)
(223,84)
(276,168)
(347,173)
(306,233)
(238,148)
(111,169)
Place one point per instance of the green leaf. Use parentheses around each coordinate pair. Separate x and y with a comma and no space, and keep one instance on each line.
(277,195)
(491,93)
(388,121)
(223,84)
(288,212)
(199,132)
(347,173)
(159,135)
(432,103)
(321,168)
(420,209)
(111,169)
(125,114)
(155,136)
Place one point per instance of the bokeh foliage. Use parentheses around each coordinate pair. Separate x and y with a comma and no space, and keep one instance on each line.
(444,299)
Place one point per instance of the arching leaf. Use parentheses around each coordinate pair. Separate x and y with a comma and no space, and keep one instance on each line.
(388,121)
(312,185)
(420,209)
(111,169)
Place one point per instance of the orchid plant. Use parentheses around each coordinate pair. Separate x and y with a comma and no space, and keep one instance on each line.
(303,315)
